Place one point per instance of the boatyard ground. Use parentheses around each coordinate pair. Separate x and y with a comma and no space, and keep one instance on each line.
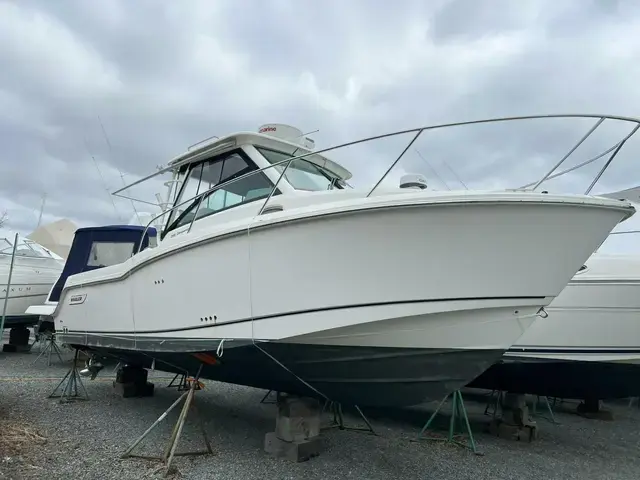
(41,438)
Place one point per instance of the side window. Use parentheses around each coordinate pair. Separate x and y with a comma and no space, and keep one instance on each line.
(253,187)
(104,254)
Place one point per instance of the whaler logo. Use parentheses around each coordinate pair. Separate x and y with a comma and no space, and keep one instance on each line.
(77,299)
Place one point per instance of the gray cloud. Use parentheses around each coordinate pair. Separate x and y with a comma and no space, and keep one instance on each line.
(163,75)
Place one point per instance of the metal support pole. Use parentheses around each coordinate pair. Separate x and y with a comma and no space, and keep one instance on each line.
(613,155)
(6,297)
(396,161)
(170,450)
(458,414)
(575,147)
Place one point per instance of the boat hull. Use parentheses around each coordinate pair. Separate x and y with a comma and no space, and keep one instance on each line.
(562,378)
(461,276)
(344,364)
(364,376)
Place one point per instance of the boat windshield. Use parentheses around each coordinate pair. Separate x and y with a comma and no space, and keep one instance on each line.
(25,248)
(302,174)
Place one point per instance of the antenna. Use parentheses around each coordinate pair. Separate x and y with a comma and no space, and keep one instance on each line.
(432,169)
(104,183)
(309,133)
(106,137)
(455,174)
(44,200)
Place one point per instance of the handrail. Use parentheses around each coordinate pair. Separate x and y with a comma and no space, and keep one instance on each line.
(575,167)
(418,131)
(6,297)
(573,149)
(625,232)
(613,155)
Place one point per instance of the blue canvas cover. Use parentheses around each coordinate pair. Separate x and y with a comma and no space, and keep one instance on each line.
(78,258)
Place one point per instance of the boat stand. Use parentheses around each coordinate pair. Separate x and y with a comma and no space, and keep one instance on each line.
(458,414)
(496,403)
(181,385)
(552,417)
(338,418)
(50,346)
(266,396)
(70,391)
(170,450)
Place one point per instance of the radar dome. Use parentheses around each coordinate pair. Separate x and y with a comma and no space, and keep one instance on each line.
(287,133)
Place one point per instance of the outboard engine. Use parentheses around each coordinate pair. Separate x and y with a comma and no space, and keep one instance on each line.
(91,368)
(413,181)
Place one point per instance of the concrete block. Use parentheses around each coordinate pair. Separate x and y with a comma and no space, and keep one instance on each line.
(588,411)
(299,451)
(128,390)
(296,429)
(19,336)
(502,429)
(10,348)
(298,419)
(130,374)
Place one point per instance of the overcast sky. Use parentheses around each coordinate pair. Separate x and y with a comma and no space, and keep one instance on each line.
(92,90)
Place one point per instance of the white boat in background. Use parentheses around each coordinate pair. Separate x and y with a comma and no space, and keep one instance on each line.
(34,271)
(589,345)
(272,272)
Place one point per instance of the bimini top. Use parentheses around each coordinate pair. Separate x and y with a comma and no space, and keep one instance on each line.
(98,247)
(270,138)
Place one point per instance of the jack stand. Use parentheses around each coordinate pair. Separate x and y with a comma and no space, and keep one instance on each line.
(494,402)
(70,390)
(50,346)
(338,418)
(458,412)
(181,386)
(264,399)
(552,417)
(170,450)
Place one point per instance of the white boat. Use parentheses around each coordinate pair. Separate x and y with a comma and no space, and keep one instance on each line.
(588,347)
(272,272)
(34,271)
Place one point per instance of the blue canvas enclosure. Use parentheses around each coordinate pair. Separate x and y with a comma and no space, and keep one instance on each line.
(98,247)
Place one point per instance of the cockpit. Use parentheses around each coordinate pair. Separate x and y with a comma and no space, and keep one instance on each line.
(260,166)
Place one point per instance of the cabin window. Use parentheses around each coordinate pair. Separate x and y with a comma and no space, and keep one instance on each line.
(104,254)
(302,174)
(206,175)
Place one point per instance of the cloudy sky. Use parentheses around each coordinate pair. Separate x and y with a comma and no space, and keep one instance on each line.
(94,94)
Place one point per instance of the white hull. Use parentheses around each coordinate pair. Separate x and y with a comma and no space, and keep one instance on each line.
(31,280)
(596,317)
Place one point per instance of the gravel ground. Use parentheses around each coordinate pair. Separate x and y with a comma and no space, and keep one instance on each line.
(84,440)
